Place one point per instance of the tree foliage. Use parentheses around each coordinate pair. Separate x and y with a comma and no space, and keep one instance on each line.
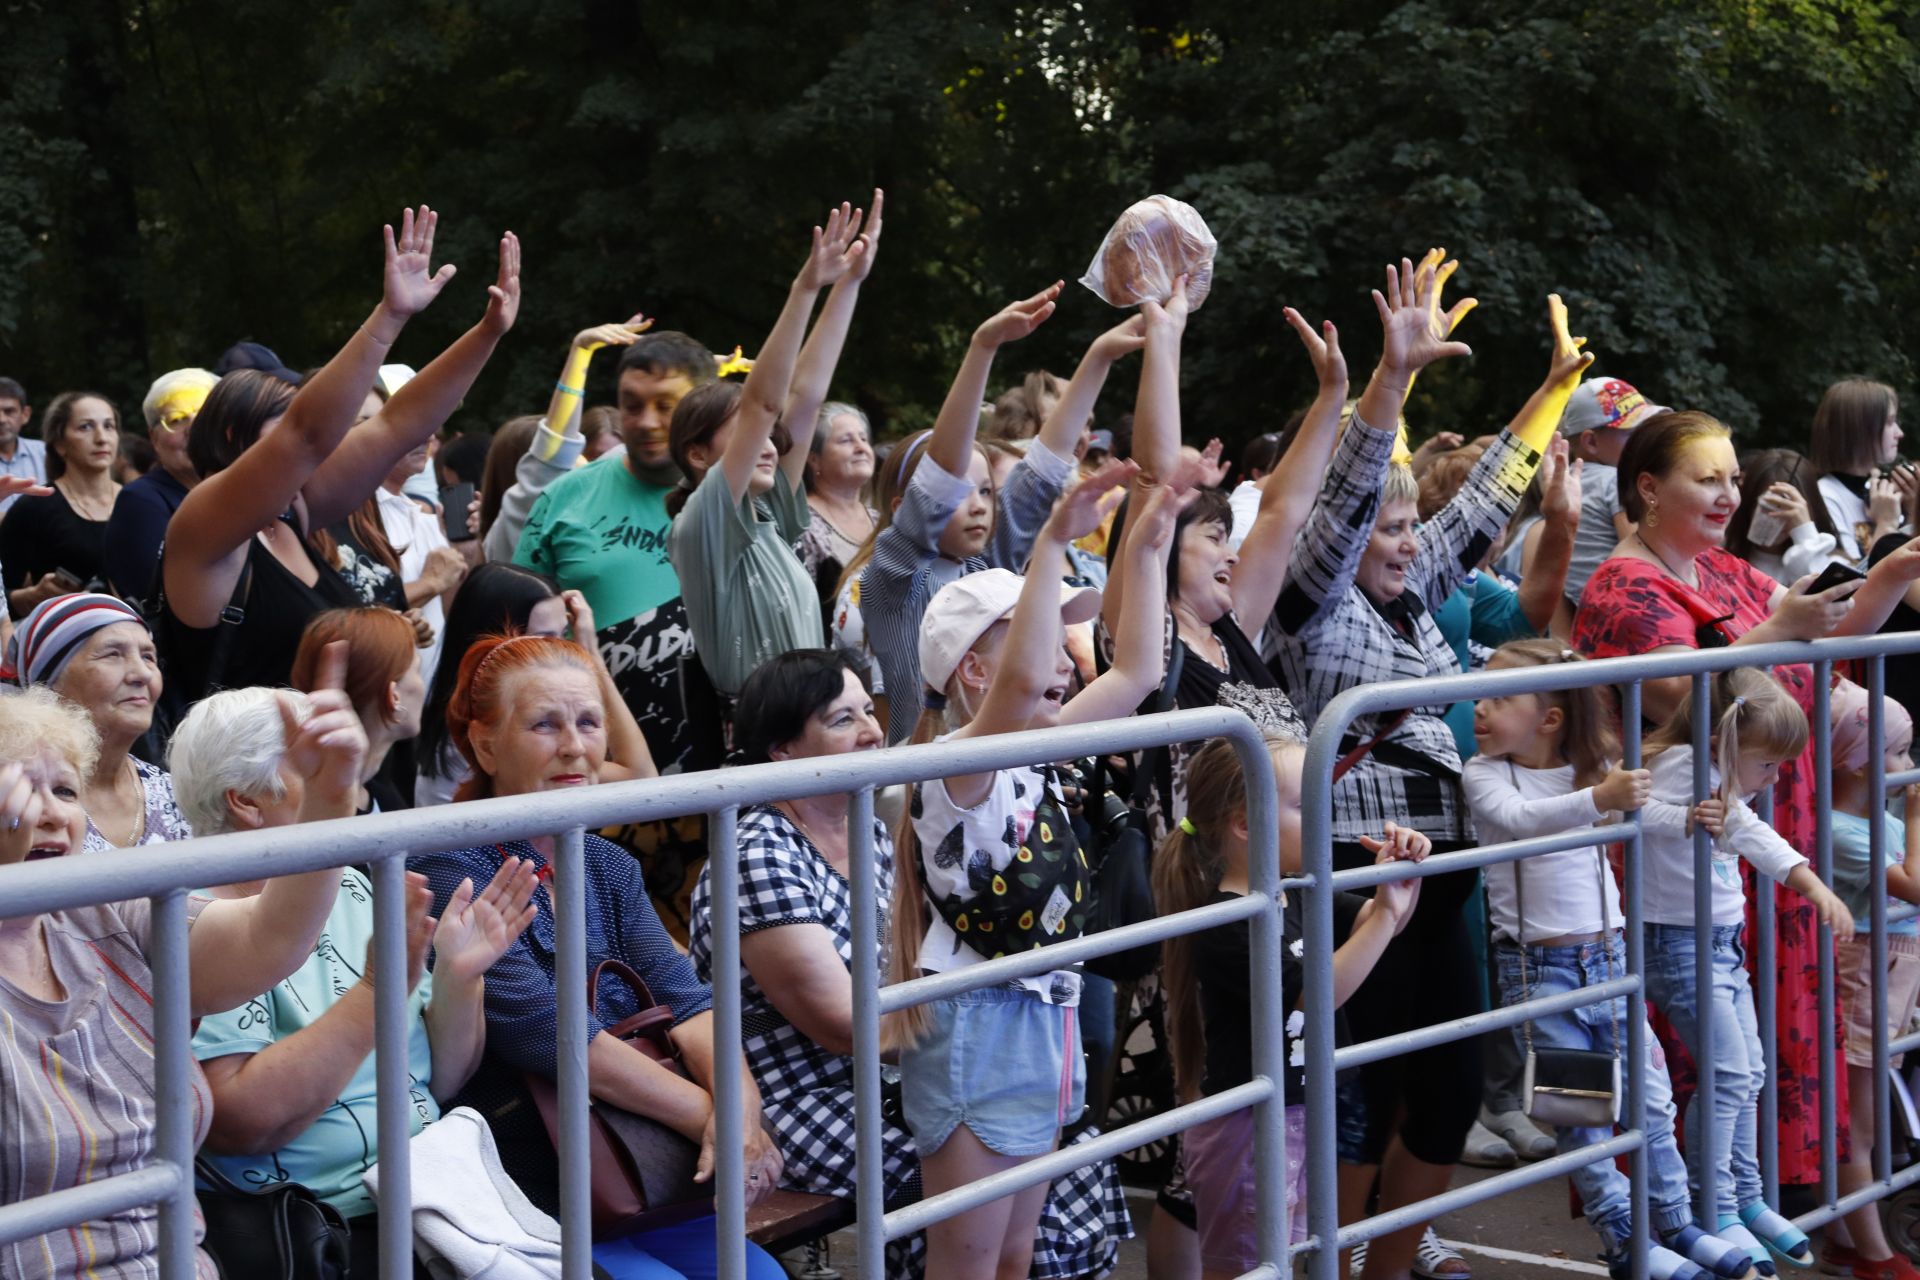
(1726,191)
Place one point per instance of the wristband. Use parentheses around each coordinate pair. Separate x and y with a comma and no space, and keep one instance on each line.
(572,391)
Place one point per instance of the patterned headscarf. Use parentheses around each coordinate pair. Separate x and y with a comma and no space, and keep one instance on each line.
(1847,708)
(46,640)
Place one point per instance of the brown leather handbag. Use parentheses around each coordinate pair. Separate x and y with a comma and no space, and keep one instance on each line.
(642,1170)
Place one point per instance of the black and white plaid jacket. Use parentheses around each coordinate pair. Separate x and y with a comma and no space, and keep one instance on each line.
(1326,636)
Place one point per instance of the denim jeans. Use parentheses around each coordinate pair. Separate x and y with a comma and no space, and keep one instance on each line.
(1605,1192)
(1739,1062)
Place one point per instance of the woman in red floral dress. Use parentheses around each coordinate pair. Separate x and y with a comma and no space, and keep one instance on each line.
(1670,586)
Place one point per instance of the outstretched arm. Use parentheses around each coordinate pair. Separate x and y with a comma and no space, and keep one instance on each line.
(1543,585)
(1287,495)
(835,249)
(417,410)
(1061,431)
(959,419)
(208,537)
(1139,639)
(813,375)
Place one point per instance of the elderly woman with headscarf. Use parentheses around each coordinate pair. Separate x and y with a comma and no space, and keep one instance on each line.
(96,652)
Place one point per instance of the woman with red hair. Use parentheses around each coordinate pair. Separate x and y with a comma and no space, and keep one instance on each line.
(383,682)
(530,715)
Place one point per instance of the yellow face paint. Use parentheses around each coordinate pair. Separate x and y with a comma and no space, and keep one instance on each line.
(180,405)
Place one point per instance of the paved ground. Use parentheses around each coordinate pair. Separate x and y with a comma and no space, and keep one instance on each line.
(1527,1234)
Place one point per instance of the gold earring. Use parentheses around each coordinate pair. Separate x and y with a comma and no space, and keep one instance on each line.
(1653,516)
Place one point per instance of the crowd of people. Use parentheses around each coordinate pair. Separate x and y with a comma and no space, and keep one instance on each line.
(294,597)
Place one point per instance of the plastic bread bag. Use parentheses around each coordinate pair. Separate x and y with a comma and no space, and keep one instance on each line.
(1154,241)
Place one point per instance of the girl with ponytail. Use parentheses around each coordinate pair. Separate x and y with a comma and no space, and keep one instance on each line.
(1547,765)
(1206,980)
(1756,725)
(987,865)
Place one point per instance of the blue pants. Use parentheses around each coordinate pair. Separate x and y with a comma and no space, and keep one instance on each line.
(683,1252)
(1739,1062)
(1604,1191)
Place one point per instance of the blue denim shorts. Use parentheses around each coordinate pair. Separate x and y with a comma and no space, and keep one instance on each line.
(1001,1061)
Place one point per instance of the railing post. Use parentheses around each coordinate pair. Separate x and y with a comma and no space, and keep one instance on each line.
(1766,927)
(569,890)
(1637,1055)
(870,1189)
(729,1135)
(391,1033)
(174,1138)
(1707,1199)
(1877,896)
(1316,841)
(1269,1018)
(1823,864)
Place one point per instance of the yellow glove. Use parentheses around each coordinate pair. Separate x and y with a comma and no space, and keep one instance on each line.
(1540,418)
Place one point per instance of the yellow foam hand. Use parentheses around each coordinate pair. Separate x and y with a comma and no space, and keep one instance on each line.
(1537,422)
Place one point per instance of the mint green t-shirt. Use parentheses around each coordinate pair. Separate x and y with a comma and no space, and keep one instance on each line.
(602,531)
(748,596)
(336,1149)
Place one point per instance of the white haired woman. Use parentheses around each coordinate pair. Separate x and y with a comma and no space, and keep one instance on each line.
(292,1070)
(97,653)
(76,1003)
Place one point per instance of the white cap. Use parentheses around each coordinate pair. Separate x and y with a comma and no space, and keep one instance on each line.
(962,611)
(392,377)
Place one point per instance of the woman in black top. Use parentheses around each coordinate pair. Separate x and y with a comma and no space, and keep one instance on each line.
(57,544)
(276,465)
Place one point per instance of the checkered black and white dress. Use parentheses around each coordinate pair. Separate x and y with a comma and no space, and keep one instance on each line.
(806,1092)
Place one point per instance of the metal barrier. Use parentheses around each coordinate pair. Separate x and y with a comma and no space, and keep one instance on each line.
(165,873)
(1628,674)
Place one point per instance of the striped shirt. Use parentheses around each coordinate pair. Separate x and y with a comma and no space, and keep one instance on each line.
(907,569)
(1326,636)
(77,1092)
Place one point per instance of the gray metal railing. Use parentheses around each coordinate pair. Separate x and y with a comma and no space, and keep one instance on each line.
(165,873)
(1629,674)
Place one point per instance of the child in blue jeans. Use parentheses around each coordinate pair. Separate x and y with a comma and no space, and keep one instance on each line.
(1756,726)
(1545,767)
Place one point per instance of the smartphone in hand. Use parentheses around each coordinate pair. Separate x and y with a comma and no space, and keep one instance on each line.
(454,501)
(1834,575)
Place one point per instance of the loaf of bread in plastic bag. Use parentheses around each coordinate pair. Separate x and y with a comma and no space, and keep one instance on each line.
(1153,242)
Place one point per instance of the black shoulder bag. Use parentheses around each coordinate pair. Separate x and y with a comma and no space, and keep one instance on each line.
(286,1233)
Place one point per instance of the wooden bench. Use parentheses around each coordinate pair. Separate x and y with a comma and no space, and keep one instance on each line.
(788,1219)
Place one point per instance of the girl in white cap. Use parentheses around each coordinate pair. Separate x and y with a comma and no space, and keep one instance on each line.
(988,865)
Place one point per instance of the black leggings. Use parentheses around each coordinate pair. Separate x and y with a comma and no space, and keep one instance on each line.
(1427,975)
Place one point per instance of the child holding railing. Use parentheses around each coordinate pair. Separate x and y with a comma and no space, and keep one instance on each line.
(1756,725)
(1546,766)
(987,864)
(1209,998)
(1860,1246)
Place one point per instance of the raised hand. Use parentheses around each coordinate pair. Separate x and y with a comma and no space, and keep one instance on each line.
(863,265)
(1569,361)
(1160,514)
(612,335)
(1414,329)
(1125,338)
(1170,317)
(1018,319)
(1323,348)
(22,800)
(1214,468)
(503,295)
(329,746)
(836,247)
(579,617)
(475,931)
(1083,508)
(1786,504)
(420,930)
(411,284)
(1560,484)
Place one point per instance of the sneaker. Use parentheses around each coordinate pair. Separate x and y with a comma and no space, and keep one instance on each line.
(1895,1268)
(1486,1149)
(1434,1260)
(1521,1134)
